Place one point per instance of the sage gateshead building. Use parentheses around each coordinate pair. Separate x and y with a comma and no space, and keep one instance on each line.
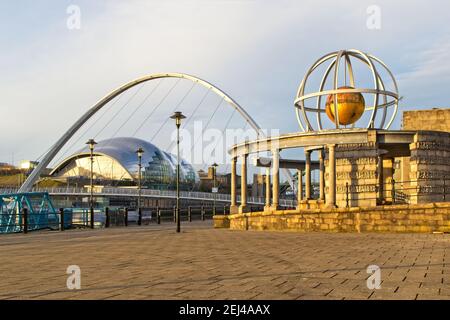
(116,164)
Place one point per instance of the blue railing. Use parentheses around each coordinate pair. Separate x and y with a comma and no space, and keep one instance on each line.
(30,211)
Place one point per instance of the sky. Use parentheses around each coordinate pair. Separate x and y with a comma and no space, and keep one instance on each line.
(256,51)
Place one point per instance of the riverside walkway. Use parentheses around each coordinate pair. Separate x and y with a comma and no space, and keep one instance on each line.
(153,262)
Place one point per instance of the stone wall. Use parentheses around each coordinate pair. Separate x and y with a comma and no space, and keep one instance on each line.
(429,166)
(435,119)
(356,164)
(429,154)
(432,217)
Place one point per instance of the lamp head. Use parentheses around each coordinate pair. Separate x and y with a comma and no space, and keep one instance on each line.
(140,152)
(91,143)
(177,116)
(214,167)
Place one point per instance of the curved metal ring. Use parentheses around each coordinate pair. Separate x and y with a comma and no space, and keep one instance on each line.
(35,174)
(380,90)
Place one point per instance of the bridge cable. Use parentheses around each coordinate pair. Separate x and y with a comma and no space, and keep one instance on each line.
(156,108)
(207,123)
(43,154)
(227,165)
(166,119)
(110,120)
(191,117)
(146,98)
(175,109)
(138,108)
(87,130)
(226,125)
(120,110)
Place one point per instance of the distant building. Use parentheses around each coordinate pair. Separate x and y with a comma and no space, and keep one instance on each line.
(223,181)
(258,186)
(28,164)
(116,164)
(6,167)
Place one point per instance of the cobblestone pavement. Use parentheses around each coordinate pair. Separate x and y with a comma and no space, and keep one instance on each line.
(153,262)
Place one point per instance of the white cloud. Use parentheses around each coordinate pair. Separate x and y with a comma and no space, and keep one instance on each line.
(428,74)
(257,51)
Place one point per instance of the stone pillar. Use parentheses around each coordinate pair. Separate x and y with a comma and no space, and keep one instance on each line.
(261,182)
(380,180)
(321,176)
(388,175)
(275,178)
(243,205)
(267,206)
(299,187)
(233,205)
(307,174)
(331,198)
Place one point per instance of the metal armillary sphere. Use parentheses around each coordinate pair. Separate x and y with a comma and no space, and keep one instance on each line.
(344,104)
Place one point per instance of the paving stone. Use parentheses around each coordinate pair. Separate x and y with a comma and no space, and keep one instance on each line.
(154,262)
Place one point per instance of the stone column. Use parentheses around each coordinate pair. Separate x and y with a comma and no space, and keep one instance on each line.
(233,205)
(331,198)
(267,206)
(275,178)
(299,187)
(388,175)
(243,205)
(307,174)
(380,179)
(321,176)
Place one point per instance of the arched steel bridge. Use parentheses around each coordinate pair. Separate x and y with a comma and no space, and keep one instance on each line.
(49,156)
(150,193)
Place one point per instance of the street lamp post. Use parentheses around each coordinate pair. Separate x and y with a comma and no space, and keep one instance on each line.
(91,143)
(178,116)
(139,153)
(214,190)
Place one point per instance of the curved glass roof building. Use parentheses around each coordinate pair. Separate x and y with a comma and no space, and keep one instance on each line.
(116,162)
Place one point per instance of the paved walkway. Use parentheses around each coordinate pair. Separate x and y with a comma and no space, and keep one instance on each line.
(153,262)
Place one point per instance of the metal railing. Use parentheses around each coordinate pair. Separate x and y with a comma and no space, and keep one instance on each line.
(152,193)
(106,218)
(24,221)
(400,192)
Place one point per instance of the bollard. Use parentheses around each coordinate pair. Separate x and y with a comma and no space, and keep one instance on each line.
(140,216)
(346,195)
(203,213)
(189,214)
(174,214)
(25,220)
(126,217)
(158,216)
(61,216)
(92,217)
(107,221)
(444,190)
(393,190)
(157,213)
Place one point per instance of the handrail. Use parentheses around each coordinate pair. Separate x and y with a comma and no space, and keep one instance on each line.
(150,193)
(401,191)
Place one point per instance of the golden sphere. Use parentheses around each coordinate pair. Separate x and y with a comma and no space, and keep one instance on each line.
(350,106)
